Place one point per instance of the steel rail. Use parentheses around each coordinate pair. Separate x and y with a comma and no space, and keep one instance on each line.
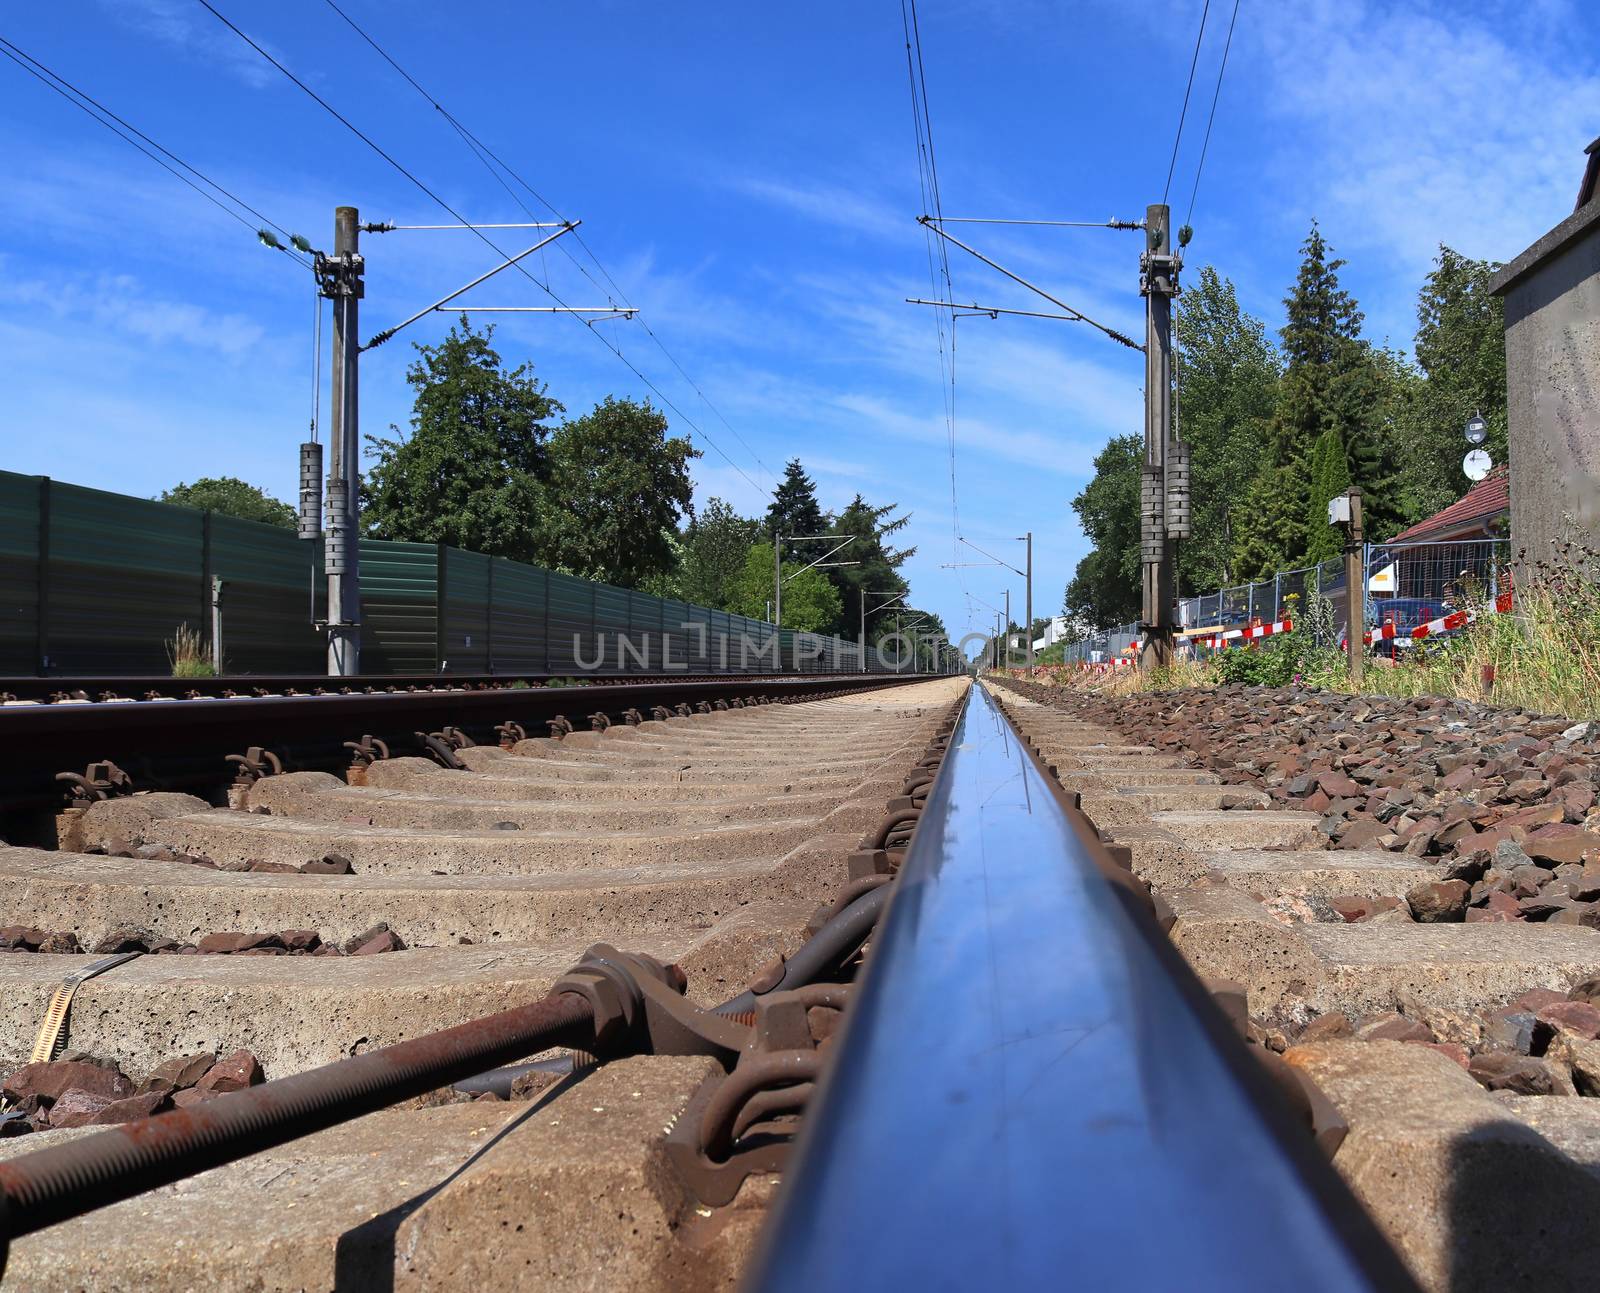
(139,687)
(1033,1090)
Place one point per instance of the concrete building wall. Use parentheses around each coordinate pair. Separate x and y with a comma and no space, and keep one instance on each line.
(1552,299)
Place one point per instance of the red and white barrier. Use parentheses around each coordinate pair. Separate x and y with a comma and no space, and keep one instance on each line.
(1221,640)
(1444,624)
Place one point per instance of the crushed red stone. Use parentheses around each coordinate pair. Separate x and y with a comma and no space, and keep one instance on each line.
(127,938)
(1504,796)
(80,1090)
(1501,800)
(1525,1046)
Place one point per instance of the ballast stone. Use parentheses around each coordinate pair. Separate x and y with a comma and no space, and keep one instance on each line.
(1469,1192)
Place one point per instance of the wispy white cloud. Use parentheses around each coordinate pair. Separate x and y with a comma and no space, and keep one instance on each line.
(1039,450)
(188,28)
(119,304)
(1413,125)
(849,209)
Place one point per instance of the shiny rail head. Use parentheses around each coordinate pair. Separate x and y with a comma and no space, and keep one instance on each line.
(1033,1091)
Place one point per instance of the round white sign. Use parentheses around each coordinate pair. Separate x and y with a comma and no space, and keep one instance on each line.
(1477,464)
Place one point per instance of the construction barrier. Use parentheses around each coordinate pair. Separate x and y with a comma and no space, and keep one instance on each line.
(1444,624)
(1221,640)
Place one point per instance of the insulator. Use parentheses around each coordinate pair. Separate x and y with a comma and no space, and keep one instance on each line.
(310,490)
(339,550)
(1178,515)
(1152,502)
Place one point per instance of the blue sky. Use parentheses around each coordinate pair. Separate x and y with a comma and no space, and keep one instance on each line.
(747,174)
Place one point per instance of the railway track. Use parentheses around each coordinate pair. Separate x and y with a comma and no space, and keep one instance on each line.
(923,984)
(1403,893)
(103,688)
(200,744)
(435,897)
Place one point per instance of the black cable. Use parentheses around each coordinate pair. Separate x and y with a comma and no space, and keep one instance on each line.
(1185,109)
(489,242)
(1213,115)
(343,120)
(91,106)
(486,155)
(928,182)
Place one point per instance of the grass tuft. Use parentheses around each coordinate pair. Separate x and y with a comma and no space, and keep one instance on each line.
(187,655)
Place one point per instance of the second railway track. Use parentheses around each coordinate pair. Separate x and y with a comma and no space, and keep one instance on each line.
(707,841)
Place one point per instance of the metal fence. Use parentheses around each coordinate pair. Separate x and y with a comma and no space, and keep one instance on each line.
(98,583)
(1406,584)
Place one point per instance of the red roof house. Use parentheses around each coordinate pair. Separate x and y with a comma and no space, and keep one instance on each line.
(1479,514)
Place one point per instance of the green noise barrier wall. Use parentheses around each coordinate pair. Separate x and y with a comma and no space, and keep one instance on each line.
(99,583)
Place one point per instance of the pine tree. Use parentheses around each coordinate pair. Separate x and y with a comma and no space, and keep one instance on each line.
(1269,522)
(794,508)
(877,565)
(1333,382)
(1329,476)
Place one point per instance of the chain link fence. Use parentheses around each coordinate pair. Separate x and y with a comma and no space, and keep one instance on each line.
(1406,584)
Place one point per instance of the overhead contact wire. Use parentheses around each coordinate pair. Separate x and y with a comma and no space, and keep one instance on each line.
(98,112)
(1212,116)
(490,160)
(489,242)
(1184,111)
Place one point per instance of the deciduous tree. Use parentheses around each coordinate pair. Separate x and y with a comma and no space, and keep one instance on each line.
(1105,590)
(232,497)
(470,473)
(810,601)
(713,550)
(1461,352)
(1228,385)
(618,488)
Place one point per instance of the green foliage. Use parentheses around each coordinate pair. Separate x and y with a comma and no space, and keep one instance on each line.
(471,472)
(231,497)
(810,601)
(1228,381)
(712,554)
(932,625)
(618,486)
(1318,620)
(1328,474)
(1462,356)
(1280,662)
(1269,532)
(1105,589)
(1334,384)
